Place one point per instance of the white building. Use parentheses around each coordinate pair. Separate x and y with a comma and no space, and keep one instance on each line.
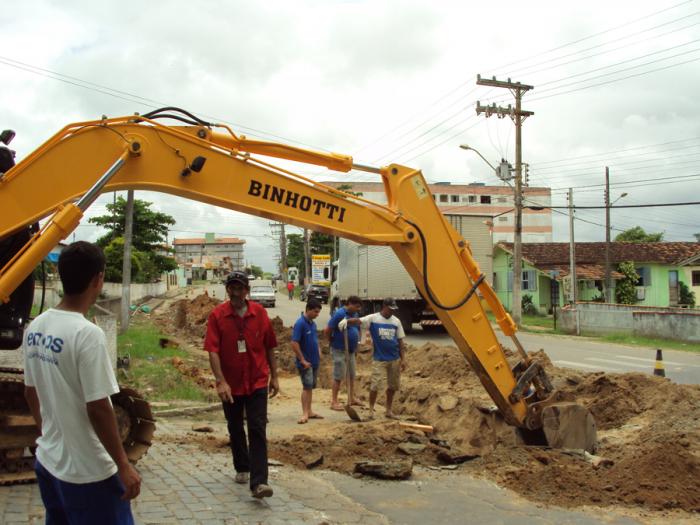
(224,253)
(479,199)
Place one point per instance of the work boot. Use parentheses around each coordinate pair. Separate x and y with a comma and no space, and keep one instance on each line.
(241,477)
(262,491)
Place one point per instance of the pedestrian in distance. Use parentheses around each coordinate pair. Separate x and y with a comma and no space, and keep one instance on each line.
(388,356)
(83,471)
(308,357)
(240,341)
(290,290)
(337,340)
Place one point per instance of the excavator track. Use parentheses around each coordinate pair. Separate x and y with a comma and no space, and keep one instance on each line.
(18,431)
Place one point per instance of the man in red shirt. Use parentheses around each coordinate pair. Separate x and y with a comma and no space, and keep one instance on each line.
(240,341)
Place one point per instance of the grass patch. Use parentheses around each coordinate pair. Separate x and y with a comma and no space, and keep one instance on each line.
(650,342)
(162,382)
(141,341)
(151,371)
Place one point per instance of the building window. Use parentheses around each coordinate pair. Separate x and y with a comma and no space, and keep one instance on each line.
(443,198)
(486,199)
(529,281)
(644,276)
(503,219)
(472,198)
(696,278)
(433,196)
(501,199)
(495,281)
(454,198)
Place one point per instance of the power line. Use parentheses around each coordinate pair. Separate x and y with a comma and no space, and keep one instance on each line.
(614,80)
(621,151)
(115,93)
(655,205)
(626,24)
(527,68)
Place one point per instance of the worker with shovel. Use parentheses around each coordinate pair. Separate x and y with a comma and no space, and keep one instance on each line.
(388,353)
(336,337)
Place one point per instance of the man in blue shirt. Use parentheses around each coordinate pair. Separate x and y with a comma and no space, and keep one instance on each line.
(337,339)
(389,352)
(305,346)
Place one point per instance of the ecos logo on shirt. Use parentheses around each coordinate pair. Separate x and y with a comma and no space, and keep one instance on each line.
(55,344)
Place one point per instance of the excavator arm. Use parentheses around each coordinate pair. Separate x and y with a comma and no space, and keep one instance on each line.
(213,165)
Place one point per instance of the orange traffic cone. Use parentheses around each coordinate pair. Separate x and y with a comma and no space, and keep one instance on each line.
(659,366)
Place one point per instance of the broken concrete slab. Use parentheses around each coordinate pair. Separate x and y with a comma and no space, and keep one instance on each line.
(452,457)
(313,460)
(386,469)
(410,448)
(447,402)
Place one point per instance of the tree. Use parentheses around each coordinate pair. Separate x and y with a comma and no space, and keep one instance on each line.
(626,288)
(256,271)
(295,251)
(637,234)
(687,296)
(150,227)
(150,231)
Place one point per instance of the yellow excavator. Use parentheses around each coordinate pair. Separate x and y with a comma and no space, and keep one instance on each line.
(210,163)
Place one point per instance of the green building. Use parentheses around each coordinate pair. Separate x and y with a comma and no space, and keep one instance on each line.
(661,266)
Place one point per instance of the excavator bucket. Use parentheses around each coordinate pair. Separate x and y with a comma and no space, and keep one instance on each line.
(569,425)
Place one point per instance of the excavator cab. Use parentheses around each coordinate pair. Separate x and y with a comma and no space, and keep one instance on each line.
(15,313)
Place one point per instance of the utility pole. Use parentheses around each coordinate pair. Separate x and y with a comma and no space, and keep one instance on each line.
(307,256)
(608,291)
(518,116)
(572,250)
(283,253)
(279,236)
(126,262)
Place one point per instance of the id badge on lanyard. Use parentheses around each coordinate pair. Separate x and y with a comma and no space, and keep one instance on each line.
(240,323)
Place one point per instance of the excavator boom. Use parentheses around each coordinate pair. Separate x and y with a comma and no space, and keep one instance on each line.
(213,165)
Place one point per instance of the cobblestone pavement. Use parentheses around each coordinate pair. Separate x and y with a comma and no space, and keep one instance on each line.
(183,484)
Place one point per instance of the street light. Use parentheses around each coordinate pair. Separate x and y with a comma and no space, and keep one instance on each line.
(467,147)
(608,205)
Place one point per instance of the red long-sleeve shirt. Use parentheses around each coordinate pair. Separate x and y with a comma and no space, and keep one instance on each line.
(246,371)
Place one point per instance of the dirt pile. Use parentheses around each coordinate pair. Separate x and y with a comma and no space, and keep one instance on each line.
(200,376)
(649,429)
(187,318)
(349,444)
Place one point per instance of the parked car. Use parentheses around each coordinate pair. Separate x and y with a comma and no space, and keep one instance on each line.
(265,295)
(316,291)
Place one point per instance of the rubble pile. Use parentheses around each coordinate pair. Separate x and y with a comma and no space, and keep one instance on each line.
(649,435)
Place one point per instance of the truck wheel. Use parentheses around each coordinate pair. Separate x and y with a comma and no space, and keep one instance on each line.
(406,318)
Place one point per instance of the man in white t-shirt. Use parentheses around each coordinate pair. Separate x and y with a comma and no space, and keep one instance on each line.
(388,355)
(83,471)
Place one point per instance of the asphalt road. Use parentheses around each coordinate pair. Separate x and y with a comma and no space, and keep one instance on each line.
(579,353)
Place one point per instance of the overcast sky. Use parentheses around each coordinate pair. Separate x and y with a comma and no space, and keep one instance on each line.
(615,83)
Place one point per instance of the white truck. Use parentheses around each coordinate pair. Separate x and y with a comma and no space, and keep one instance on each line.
(374,272)
(261,291)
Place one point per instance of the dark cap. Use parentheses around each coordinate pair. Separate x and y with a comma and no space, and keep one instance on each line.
(237,277)
(389,301)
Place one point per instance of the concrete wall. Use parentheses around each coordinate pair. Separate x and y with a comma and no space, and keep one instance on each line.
(108,322)
(680,326)
(596,318)
(602,318)
(52,296)
(137,291)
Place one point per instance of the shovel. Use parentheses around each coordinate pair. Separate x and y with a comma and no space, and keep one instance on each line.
(351,412)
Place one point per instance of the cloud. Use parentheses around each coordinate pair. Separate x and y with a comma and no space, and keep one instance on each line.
(388,81)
